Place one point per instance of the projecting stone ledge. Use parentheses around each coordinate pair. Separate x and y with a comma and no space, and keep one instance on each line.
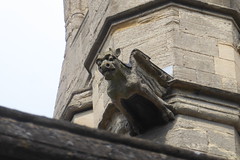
(25,136)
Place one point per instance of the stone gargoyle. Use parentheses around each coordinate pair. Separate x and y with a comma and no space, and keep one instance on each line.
(136,89)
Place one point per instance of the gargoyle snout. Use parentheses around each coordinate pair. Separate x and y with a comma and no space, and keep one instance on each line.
(105,66)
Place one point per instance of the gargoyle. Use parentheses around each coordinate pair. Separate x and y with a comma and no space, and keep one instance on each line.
(136,89)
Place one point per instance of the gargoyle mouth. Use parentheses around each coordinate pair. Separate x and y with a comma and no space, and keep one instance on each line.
(108,71)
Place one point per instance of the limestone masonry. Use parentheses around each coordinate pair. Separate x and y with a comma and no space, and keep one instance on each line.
(197,42)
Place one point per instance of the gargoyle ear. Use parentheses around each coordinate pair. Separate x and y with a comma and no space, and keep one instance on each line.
(117,52)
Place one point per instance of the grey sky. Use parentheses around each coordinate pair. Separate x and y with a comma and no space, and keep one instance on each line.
(31,53)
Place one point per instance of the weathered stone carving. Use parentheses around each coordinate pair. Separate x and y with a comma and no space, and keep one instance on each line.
(114,121)
(136,89)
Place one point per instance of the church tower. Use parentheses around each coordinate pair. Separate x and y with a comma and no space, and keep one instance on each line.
(197,42)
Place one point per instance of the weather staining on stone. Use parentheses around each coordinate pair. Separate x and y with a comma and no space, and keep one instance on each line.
(136,89)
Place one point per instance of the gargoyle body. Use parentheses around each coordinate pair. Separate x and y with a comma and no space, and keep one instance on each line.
(136,89)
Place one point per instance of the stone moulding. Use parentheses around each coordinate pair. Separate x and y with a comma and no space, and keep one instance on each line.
(151,7)
(205,103)
(79,101)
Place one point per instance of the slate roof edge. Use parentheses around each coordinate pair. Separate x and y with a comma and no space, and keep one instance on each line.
(103,135)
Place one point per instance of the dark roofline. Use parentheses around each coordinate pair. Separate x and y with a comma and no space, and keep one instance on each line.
(24,135)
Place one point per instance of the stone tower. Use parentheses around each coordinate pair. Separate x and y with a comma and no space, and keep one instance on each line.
(197,42)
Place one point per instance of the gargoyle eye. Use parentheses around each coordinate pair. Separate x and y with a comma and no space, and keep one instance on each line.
(98,62)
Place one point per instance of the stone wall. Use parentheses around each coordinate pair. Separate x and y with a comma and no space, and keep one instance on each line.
(74,75)
(205,48)
(199,48)
(193,45)
(195,41)
(198,135)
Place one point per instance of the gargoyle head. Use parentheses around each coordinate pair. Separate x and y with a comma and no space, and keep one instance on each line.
(107,64)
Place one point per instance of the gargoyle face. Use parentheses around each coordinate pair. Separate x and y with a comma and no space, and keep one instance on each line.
(106,65)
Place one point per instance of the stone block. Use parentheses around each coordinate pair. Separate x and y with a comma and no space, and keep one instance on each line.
(156,42)
(222,144)
(75,6)
(237,144)
(226,51)
(236,5)
(66,9)
(189,42)
(101,103)
(225,3)
(225,68)
(209,79)
(196,139)
(230,84)
(74,12)
(100,98)
(238,77)
(178,57)
(198,135)
(237,59)
(85,118)
(99,9)
(184,73)
(194,60)
(197,24)
(128,32)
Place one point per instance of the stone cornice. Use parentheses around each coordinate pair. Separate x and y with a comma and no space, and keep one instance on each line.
(205,103)
(150,7)
(200,89)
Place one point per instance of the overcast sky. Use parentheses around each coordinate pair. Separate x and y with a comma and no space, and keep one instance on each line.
(31,54)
